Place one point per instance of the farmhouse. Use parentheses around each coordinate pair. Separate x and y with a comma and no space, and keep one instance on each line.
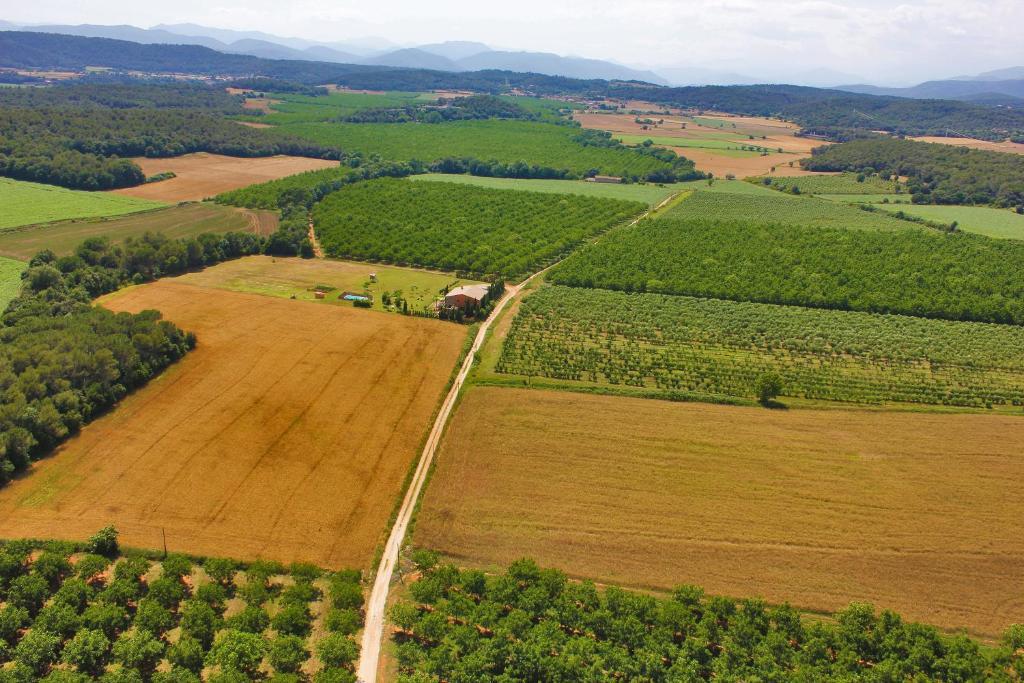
(466,296)
(605,179)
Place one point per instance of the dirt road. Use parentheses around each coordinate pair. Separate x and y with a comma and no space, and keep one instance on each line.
(373,629)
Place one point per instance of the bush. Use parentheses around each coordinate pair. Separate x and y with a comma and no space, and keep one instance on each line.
(292,620)
(337,651)
(87,651)
(104,542)
(140,651)
(37,651)
(288,653)
(238,651)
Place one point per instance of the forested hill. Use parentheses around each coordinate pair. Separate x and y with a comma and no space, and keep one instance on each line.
(832,113)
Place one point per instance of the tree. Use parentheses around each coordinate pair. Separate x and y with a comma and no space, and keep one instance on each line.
(252,619)
(37,650)
(199,621)
(287,654)
(292,620)
(140,651)
(238,651)
(153,617)
(187,654)
(87,651)
(337,651)
(104,541)
(220,570)
(768,387)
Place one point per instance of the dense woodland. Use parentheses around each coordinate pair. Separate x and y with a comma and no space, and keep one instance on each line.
(914,271)
(124,95)
(445,109)
(64,361)
(938,174)
(532,624)
(83,612)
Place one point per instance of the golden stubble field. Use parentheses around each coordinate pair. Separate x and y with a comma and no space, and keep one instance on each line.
(286,434)
(202,175)
(920,513)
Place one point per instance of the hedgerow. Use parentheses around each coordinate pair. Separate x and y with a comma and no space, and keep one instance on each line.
(912,271)
(533,624)
(460,227)
(92,637)
(711,347)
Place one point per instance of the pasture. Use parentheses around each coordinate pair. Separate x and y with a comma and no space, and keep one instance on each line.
(459,227)
(295,278)
(186,220)
(914,512)
(10,280)
(27,203)
(286,434)
(705,348)
(202,175)
(983,220)
(651,194)
(541,144)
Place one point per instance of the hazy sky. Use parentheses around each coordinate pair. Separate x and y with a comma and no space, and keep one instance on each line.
(880,40)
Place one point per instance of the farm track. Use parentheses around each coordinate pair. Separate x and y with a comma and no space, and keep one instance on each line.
(376,603)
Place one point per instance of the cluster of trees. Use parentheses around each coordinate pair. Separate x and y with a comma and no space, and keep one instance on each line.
(104,618)
(532,624)
(81,147)
(63,361)
(128,94)
(479,231)
(844,183)
(445,109)
(495,290)
(680,345)
(937,174)
(913,271)
(262,84)
(681,169)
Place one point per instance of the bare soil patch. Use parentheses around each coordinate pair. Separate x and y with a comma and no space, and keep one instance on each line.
(920,513)
(202,175)
(286,434)
(1005,146)
(259,104)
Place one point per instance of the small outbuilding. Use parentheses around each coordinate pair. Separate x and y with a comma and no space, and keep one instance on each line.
(466,297)
(605,179)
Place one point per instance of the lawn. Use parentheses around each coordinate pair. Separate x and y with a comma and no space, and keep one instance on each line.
(186,220)
(999,223)
(27,203)
(541,144)
(10,280)
(294,278)
(913,512)
(678,346)
(650,194)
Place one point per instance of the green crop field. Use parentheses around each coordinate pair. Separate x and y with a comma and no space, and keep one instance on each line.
(649,193)
(707,347)
(10,280)
(460,227)
(27,203)
(274,194)
(718,144)
(841,183)
(186,220)
(541,144)
(914,271)
(727,187)
(780,208)
(867,198)
(1000,223)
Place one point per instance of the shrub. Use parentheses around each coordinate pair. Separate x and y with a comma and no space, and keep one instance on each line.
(37,650)
(104,541)
(140,651)
(292,620)
(87,651)
(287,654)
(238,651)
(187,654)
(337,651)
(250,620)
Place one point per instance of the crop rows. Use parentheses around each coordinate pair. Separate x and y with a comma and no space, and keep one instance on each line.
(913,271)
(707,346)
(74,617)
(843,183)
(460,227)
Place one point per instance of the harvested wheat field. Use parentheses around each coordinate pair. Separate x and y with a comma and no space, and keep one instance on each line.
(920,513)
(202,175)
(710,161)
(286,434)
(1005,146)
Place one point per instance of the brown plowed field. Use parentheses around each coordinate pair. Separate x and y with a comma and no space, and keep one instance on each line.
(920,513)
(286,434)
(202,175)
(1005,146)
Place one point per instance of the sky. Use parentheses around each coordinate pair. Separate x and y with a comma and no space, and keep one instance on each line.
(879,41)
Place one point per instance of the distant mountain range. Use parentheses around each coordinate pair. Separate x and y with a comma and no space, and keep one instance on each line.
(455,56)
(1008,92)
